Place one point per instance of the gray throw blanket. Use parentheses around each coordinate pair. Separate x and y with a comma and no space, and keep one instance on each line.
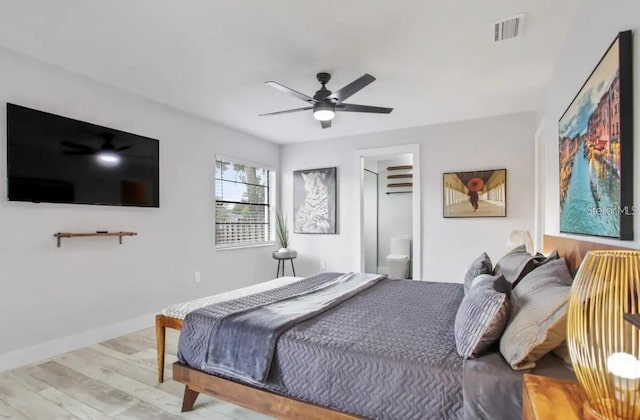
(242,343)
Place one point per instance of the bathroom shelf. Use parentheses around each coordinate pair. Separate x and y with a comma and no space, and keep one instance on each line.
(399,176)
(399,168)
(398,192)
(400,184)
(60,235)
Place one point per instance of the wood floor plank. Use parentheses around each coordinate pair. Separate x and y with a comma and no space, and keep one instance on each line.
(120,346)
(127,368)
(90,391)
(157,398)
(8,412)
(113,379)
(27,380)
(75,407)
(145,411)
(145,364)
(29,403)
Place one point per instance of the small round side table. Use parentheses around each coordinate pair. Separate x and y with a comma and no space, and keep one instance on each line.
(282,257)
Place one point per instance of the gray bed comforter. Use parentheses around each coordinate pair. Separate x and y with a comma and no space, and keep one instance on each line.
(243,343)
(386,353)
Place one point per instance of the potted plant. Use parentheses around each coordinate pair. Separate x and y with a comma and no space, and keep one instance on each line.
(282,233)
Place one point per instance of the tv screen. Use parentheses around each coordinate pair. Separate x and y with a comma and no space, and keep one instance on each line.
(59,160)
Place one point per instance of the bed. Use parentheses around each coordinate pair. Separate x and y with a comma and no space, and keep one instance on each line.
(173,316)
(357,361)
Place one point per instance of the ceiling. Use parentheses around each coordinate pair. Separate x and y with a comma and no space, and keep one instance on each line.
(435,60)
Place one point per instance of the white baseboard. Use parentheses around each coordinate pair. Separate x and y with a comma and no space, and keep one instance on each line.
(48,349)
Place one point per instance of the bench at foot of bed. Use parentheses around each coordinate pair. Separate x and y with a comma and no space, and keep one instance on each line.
(246,396)
(162,323)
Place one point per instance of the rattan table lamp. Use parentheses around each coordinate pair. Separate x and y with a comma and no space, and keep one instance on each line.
(604,348)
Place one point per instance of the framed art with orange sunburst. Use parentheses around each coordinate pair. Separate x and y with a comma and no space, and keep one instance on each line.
(475,194)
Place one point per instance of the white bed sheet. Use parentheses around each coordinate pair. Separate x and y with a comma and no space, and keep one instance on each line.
(180,310)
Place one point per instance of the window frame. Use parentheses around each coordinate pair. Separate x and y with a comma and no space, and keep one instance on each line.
(271,202)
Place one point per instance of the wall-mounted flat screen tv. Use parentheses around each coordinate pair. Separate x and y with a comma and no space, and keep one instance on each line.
(60,160)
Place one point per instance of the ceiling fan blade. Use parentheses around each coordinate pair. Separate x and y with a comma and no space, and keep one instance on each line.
(288,111)
(79,152)
(352,88)
(290,91)
(363,108)
(77,146)
(120,149)
(325,124)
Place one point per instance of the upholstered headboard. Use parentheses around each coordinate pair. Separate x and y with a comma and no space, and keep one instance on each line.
(574,250)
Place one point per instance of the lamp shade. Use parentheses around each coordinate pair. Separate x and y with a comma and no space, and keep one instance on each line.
(520,237)
(604,348)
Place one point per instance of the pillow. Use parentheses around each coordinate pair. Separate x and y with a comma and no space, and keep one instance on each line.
(516,264)
(481,317)
(541,259)
(499,283)
(481,265)
(538,316)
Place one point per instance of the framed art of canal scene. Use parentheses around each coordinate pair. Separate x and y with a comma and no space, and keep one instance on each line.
(475,194)
(596,150)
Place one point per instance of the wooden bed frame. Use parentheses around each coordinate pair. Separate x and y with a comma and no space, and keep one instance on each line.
(246,396)
(281,407)
(574,250)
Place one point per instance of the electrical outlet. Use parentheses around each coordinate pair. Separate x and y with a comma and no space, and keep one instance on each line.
(323,264)
(196,277)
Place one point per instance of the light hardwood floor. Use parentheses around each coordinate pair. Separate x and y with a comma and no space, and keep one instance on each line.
(115,379)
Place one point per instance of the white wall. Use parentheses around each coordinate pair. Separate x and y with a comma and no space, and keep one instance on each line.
(595,26)
(48,292)
(449,245)
(395,210)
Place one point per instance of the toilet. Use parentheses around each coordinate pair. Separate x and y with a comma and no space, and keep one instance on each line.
(398,259)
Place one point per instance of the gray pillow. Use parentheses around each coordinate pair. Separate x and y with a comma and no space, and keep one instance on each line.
(542,259)
(516,264)
(538,316)
(481,265)
(482,316)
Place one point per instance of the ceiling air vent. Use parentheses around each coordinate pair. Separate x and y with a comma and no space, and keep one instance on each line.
(508,28)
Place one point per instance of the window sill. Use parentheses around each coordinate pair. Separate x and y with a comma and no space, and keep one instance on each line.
(231,247)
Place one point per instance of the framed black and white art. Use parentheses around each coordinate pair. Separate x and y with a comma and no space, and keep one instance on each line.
(314,201)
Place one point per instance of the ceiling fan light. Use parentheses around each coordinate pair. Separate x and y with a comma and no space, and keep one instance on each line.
(108,158)
(324,114)
(324,111)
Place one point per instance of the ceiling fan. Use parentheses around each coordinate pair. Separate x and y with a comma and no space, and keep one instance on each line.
(108,153)
(326,103)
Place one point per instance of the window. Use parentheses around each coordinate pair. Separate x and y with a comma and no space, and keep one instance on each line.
(243,204)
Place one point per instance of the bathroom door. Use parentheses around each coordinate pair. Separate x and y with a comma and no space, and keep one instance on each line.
(370,231)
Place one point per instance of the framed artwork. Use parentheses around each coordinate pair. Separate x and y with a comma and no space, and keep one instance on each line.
(475,194)
(596,150)
(314,201)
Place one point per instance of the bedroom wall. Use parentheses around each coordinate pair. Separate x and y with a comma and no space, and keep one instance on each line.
(449,245)
(595,26)
(91,289)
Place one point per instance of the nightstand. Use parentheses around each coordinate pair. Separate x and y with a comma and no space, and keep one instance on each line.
(545,398)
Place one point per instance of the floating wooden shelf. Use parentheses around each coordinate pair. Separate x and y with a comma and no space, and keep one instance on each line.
(61,235)
(399,176)
(633,319)
(400,184)
(399,168)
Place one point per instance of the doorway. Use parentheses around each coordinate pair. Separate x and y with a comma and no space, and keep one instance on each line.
(390,222)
